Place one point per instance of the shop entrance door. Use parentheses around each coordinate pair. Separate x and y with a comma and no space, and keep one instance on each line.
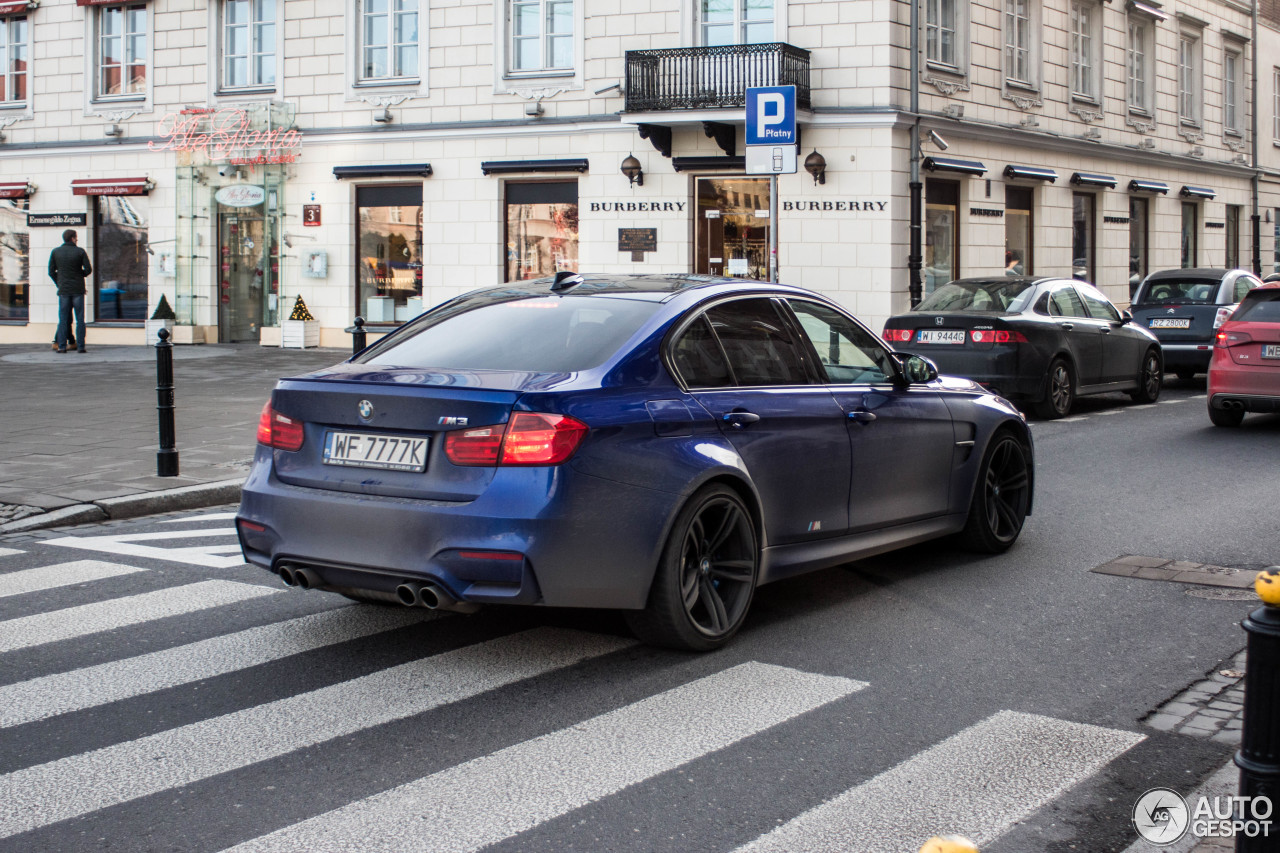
(732,227)
(243,276)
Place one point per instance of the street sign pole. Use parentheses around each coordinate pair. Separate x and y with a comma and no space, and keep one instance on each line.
(771,148)
(773,228)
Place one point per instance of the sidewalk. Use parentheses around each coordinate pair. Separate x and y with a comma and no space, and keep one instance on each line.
(79,432)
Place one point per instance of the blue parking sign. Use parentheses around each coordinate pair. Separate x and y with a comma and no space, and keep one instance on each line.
(771,115)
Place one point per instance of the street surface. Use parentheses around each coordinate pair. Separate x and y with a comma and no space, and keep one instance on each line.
(156,694)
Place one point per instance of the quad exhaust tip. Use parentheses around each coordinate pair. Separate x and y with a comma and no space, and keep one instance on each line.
(300,577)
(431,596)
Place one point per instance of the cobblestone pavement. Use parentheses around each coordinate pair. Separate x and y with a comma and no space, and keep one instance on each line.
(1211,709)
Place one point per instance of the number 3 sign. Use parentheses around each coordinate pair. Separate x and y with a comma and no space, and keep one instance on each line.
(311,214)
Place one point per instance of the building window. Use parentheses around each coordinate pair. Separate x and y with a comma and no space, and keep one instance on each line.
(388,40)
(389,241)
(542,229)
(120,258)
(1189,80)
(1275,105)
(13,60)
(731,238)
(541,35)
(940,27)
(1138,210)
(248,43)
(122,51)
(1138,87)
(1019,231)
(941,233)
(1275,240)
(1190,232)
(1083,61)
(1231,92)
(1017,41)
(737,21)
(1082,235)
(1233,236)
(15,260)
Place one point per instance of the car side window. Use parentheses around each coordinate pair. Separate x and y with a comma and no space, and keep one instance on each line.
(698,358)
(1064,302)
(847,353)
(1099,307)
(759,346)
(1244,284)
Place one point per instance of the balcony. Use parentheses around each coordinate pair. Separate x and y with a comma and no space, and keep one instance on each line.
(695,78)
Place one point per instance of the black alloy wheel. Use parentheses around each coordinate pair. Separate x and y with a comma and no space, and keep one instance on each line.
(1060,391)
(1000,497)
(1150,379)
(706,576)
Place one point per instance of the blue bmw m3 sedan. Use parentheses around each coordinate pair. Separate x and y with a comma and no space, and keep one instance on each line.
(658,444)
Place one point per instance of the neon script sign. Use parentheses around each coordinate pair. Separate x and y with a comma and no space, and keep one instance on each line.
(226,134)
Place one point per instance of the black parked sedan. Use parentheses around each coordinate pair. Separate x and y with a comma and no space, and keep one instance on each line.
(1184,308)
(1038,341)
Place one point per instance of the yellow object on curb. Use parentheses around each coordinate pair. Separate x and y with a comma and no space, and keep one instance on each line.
(949,844)
(1268,586)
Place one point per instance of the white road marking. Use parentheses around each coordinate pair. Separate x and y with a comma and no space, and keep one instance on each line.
(61,574)
(101,616)
(1197,396)
(1074,420)
(483,801)
(1172,402)
(9,552)
(80,784)
(127,545)
(64,692)
(1111,411)
(977,783)
(213,516)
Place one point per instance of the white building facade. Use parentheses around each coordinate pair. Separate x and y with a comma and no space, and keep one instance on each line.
(377,157)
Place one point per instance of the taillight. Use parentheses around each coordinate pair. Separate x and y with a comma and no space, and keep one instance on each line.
(1232,339)
(997,336)
(277,430)
(530,438)
(900,336)
(1223,315)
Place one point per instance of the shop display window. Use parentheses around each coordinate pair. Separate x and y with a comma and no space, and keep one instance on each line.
(1190,235)
(542,229)
(1138,242)
(732,227)
(120,258)
(389,253)
(1083,214)
(15,260)
(1019,232)
(941,233)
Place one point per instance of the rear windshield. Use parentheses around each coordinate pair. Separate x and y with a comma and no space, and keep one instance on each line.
(1167,291)
(1259,306)
(536,334)
(995,296)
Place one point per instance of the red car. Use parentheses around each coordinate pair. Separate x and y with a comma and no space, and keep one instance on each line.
(1244,374)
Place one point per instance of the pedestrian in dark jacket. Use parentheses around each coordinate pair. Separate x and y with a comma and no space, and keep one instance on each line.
(68,267)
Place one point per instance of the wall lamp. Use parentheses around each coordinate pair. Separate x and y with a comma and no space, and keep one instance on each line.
(631,168)
(815,164)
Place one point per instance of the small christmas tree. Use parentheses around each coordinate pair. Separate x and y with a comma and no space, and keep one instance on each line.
(163,311)
(300,311)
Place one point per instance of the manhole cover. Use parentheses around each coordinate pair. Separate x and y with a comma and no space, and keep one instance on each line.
(1221,593)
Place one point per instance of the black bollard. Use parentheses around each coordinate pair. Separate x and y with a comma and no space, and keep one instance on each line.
(1259,755)
(167,458)
(358,336)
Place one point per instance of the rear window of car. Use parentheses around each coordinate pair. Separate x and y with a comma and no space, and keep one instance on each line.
(1186,291)
(538,334)
(1259,306)
(995,296)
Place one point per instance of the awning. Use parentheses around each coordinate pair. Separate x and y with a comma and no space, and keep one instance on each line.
(950,164)
(709,163)
(1085,179)
(12,8)
(1197,192)
(1150,11)
(111,186)
(1033,173)
(99,2)
(506,167)
(417,170)
(16,189)
(1148,187)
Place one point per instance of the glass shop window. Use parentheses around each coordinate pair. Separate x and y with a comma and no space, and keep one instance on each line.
(389,253)
(542,229)
(120,258)
(15,260)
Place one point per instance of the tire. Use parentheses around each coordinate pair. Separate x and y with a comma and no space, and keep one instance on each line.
(1226,417)
(1060,391)
(706,576)
(1000,497)
(1185,374)
(1150,378)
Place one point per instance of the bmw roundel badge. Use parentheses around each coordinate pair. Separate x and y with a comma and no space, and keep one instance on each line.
(365,408)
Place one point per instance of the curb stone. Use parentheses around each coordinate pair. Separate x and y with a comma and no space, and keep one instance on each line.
(132,506)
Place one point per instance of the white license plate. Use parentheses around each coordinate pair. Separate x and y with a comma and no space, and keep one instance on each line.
(940,336)
(1271,350)
(366,450)
(1170,323)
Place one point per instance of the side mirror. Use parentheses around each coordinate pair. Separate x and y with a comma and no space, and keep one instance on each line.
(1125,317)
(918,370)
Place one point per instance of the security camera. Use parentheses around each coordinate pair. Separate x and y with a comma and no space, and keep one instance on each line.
(226,170)
(938,140)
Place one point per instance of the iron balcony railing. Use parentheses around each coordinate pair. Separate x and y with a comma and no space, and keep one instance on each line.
(691,78)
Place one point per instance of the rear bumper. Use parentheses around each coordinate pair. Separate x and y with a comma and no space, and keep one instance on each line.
(1248,402)
(995,370)
(1197,356)
(574,550)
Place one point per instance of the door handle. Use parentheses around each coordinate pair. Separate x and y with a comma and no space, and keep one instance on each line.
(738,420)
(1067,326)
(1106,330)
(862,416)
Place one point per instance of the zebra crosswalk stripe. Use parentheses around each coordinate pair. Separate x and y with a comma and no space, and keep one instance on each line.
(72,622)
(76,690)
(9,552)
(977,783)
(61,574)
(483,801)
(44,794)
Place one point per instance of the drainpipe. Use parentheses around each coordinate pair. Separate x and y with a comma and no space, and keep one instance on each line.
(1253,134)
(915,258)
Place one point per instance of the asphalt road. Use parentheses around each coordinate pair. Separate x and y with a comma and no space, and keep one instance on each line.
(170,698)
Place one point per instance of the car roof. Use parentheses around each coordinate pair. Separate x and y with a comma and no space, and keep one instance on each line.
(652,286)
(1194,272)
(1008,279)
